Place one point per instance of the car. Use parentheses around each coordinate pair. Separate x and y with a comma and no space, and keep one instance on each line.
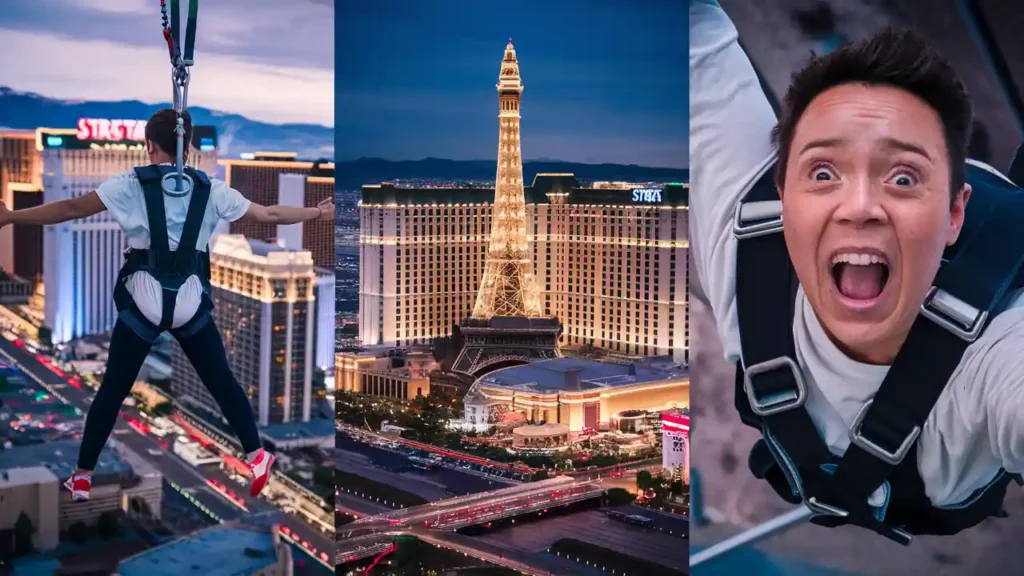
(155,452)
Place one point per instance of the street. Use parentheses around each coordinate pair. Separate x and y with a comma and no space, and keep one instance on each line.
(175,470)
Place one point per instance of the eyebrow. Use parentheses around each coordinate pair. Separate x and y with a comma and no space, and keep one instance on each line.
(890,143)
(821,143)
(893,143)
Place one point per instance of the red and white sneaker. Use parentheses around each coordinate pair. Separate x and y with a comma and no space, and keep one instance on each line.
(260,467)
(79,485)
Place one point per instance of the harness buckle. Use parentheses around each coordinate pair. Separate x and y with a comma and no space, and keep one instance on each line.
(884,454)
(777,401)
(822,509)
(766,217)
(956,316)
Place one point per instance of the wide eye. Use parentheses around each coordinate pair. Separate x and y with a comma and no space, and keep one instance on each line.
(822,173)
(903,180)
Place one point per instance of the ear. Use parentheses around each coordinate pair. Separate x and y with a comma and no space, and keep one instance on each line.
(149,146)
(956,213)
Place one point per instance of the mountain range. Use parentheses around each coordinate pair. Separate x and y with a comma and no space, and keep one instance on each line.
(237,134)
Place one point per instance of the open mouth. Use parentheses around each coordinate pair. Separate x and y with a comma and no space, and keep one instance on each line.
(860,276)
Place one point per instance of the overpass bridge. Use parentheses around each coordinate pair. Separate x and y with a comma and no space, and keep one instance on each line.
(436,522)
(482,507)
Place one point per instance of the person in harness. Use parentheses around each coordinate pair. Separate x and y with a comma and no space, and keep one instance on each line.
(164,284)
(864,278)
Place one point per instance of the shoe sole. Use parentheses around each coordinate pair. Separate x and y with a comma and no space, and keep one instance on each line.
(258,484)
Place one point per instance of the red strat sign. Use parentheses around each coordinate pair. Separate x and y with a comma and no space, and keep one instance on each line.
(107,130)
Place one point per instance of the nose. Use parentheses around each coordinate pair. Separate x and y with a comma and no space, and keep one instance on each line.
(859,203)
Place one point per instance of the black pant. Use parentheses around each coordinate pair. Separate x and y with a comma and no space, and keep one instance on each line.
(204,349)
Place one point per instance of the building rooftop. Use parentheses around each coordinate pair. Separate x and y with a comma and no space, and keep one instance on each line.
(315,428)
(576,374)
(539,192)
(220,550)
(61,458)
(25,476)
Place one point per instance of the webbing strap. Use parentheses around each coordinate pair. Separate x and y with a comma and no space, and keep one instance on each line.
(176,27)
(765,303)
(185,253)
(190,31)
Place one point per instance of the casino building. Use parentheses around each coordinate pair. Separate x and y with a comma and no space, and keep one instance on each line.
(610,261)
(575,393)
(81,258)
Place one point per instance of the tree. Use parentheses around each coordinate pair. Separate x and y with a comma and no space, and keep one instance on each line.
(323,476)
(643,479)
(45,336)
(78,533)
(23,532)
(108,526)
(619,497)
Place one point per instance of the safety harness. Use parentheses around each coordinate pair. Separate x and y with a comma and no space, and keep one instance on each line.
(975,276)
(170,269)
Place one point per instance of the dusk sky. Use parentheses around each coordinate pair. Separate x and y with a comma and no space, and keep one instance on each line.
(269,60)
(606,80)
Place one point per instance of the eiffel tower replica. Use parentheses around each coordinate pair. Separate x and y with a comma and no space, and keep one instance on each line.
(508,325)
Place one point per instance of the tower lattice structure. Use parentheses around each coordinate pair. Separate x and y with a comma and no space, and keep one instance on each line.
(508,287)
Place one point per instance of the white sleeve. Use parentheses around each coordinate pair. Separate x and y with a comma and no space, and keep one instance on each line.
(230,203)
(730,148)
(118,195)
(1002,384)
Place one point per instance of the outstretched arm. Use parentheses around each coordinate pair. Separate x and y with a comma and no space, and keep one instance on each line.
(730,147)
(54,212)
(289,214)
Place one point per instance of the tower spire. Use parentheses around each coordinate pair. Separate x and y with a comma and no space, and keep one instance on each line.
(508,287)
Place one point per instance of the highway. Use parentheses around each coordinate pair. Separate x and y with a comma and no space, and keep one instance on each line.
(175,470)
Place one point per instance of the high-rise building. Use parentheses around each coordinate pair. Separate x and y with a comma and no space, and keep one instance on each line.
(81,258)
(611,262)
(264,306)
(267,178)
(21,186)
(325,319)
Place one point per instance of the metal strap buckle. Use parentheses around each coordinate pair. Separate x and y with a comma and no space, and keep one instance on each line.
(779,402)
(890,457)
(822,509)
(958,317)
(766,215)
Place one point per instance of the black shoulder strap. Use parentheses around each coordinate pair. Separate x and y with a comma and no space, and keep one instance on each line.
(769,380)
(193,219)
(149,177)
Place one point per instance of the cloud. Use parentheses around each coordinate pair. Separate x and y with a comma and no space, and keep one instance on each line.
(59,67)
(271,31)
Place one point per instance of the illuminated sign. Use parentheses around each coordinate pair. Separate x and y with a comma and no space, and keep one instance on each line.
(647,195)
(105,130)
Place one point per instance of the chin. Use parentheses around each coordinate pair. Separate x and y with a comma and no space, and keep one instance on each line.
(863,341)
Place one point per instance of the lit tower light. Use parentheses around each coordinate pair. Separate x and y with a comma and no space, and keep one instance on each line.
(508,287)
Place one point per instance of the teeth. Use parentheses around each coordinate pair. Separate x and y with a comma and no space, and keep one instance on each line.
(858,259)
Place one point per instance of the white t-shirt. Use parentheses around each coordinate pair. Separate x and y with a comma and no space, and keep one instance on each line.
(977,425)
(123,197)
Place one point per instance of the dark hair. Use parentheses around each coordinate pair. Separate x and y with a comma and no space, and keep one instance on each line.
(160,130)
(891,57)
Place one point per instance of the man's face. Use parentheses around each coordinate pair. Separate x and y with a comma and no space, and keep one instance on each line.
(866,213)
